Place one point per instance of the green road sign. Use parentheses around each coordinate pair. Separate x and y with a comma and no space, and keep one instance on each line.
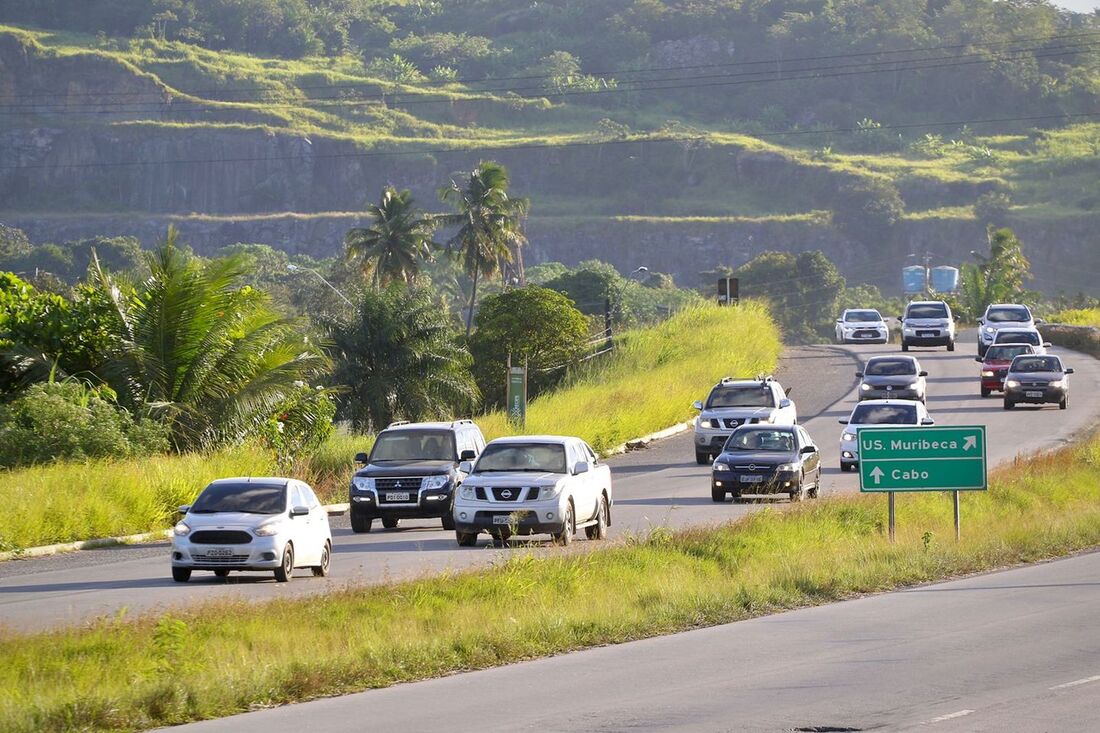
(922,459)
(517,395)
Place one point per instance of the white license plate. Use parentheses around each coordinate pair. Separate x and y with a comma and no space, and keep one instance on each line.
(503,519)
(1033,394)
(864,336)
(927,333)
(397,496)
(219,552)
(752,479)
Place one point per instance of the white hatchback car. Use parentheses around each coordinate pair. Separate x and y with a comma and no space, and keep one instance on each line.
(876,413)
(534,484)
(272,524)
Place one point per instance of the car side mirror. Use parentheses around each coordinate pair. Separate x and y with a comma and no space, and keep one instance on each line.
(843,421)
(362,458)
(1069,371)
(1046,344)
(927,421)
(859,374)
(580,468)
(466,467)
(979,359)
(922,373)
(784,404)
(183,508)
(299,511)
(1039,321)
(467,455)
(808,449)
(698,404)
(981,321)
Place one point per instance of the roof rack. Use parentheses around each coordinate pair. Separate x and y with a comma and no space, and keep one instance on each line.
(463,421)
(397,423)
(763,377)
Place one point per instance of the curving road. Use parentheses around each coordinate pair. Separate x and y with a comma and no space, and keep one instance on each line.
(660,486)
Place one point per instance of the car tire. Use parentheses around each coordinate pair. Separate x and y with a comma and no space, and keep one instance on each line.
(285,571)
(796,495)
(816,490)
(568,529)
(1009,404)
(321,571)
(361,524)
(702,458)
(181,575)
(986,392)
(390,522)
(1064,404)
(448,521)
(500,536)
(465,539)
(845,468)
(904,345)
(221,573)
(598,531)
(950,345)
(717,495)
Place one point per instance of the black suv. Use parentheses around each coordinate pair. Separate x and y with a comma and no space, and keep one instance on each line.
(412,473)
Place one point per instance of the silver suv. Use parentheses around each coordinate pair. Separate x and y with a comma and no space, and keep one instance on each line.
(735,402)
(1002,315)
(927,323)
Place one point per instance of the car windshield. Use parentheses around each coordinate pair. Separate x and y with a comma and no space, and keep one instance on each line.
(247,498)
(890,368)
(779,441)
(744,396)
(541,457)
(862,316)
(1018,337)
(927,310)
(414,445)
(1006,353)
(1008,314)
(884,415)
(1036,364)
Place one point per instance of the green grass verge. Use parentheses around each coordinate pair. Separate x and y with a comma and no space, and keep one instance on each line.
(646,384)
(1078,317)
(232,656)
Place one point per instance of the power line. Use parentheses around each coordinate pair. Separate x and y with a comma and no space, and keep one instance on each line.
(649,70)
(544,146)
(736,79)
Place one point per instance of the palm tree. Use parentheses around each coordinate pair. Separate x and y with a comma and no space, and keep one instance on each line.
(397,240)
(489,223)
(196,347)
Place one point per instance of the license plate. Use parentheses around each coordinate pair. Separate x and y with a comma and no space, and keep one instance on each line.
(927,333)
(503,519)
(752,479)
(397,496)
(864,336)
(219,552)
(1033,394)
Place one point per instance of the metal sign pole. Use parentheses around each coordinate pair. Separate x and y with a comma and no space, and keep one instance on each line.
(892,523)
(958,518)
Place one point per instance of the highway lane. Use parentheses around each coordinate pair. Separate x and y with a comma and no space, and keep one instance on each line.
(1017,650)
(660,486)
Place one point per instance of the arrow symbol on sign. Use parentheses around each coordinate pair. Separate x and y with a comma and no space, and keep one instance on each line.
(877,475)
(970,442)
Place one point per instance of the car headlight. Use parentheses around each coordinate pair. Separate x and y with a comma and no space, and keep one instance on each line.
(181,529)
(787,467)
(362,483)
(988,373)
(269,529)
(848,437)
(708,423)
(914,385)
(989,329)
(466,492)
(721,466)
(1011,383)
(434,482)
(866,387)
(1058,383)
(550,492)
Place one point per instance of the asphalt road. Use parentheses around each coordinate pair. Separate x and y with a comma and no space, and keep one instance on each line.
(660,486)
(1017,650)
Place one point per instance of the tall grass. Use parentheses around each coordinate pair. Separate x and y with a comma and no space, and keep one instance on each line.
(232,656)
(1077,317)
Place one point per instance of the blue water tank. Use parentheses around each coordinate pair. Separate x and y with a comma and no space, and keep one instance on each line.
(945,279)
(913,279)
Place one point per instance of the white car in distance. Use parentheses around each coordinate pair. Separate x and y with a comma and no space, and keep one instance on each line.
(876,413)
(861,325)
(534,484)
(1030,336)
(271,524)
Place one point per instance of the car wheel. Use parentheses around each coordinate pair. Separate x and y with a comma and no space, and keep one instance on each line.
(813,493)
(181,575)
(1064,403)
(950,345)
(569,527)
(796,495)
(390,522)
(904,345)
(361,524)
(501,536)
(221,573)
(321,571)
(598,531)
(466,539)
(986,392)
(285,570)
(845,468)
(717,494)
(448,521)
(702,458)
(1009,404)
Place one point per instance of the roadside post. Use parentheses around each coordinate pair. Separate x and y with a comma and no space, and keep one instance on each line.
(517,394)
(947,458)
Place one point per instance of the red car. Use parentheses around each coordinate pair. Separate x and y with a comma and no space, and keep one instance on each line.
(995,365)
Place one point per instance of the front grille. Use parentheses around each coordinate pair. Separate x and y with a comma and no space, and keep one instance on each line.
(1035,384)
(754,468)
(533,493)
(865,333)
(732,422)
(400,483)
(226,560)
(479,492)
(220,537)
(506,493)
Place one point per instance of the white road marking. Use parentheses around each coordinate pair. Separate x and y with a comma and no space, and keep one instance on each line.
(949,716)
(1075,683)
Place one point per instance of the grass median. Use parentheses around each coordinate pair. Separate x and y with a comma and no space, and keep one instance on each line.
(647,383)
(231,657)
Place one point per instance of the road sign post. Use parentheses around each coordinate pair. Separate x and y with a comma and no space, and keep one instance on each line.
(948,458)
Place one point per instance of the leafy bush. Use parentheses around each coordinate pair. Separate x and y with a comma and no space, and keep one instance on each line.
(300,425)
(868,208)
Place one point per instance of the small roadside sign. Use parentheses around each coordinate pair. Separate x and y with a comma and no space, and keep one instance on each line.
(947,458)
(517,395)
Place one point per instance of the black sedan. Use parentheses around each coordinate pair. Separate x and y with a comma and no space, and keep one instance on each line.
(767,459)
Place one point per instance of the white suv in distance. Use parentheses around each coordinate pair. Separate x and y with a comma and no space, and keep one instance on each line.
(1002,315)
(874,413)
(861,325)
(927,323)
(534,484)
(273,524)
(735,402)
